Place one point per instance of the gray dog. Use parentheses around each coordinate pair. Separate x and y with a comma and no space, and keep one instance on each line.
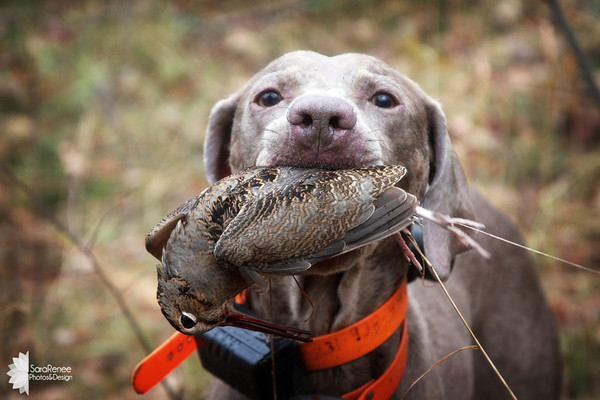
(305,109)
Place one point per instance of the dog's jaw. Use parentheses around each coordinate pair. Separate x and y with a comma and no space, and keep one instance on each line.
(311,159)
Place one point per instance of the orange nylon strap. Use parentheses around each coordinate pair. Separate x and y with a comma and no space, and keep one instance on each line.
(240,298)
(358,339)
(164,359)
(387,384)
(328,351)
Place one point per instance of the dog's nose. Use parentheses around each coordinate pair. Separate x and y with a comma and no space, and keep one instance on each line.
(319,118)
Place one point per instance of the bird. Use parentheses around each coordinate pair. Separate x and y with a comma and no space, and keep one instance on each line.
(267,221)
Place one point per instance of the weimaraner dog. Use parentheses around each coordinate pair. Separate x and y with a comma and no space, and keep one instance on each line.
(306,109)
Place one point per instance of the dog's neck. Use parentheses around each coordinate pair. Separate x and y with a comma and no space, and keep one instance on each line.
(338,300)
(326,303)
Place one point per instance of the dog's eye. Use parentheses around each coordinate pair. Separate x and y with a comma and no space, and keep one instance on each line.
(383,100)
(269,98)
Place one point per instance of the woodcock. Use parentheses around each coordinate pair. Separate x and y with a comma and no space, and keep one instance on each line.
(267,221)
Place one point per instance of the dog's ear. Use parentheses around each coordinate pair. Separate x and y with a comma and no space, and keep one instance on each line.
(446,193)
(218,138)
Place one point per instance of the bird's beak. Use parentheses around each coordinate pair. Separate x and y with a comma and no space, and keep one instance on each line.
(241,320)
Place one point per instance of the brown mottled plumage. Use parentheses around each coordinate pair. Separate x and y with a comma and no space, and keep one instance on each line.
(272,220)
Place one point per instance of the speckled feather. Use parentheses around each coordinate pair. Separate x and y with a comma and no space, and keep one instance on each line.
(269,220)
(291,225)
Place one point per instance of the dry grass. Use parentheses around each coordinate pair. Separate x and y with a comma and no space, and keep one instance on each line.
(103,109)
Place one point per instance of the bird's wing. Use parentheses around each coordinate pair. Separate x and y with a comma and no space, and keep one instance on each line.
(394,210)
(214,196)
(159,235)
(289,224)
(288,254)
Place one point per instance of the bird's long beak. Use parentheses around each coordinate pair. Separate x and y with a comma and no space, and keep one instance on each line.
(241,320)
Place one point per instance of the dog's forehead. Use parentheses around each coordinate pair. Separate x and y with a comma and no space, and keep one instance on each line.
(308,68)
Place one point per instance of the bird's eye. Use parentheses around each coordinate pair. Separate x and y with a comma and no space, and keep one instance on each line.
(188,320)
(268,98)
(383,100)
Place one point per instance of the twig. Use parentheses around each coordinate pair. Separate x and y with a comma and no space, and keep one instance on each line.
(582,60)
(485,354)
(87,252)
(562,260)
(447,356)
(305,295)
(271,343)
(450,223)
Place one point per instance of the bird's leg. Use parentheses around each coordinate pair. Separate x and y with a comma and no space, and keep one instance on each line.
(448,223)
(245,321)
(408,254)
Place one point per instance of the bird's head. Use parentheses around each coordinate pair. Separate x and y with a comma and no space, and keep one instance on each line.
(192,314)
(187,309)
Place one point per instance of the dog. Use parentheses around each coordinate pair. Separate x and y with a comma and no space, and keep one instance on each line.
(309,110)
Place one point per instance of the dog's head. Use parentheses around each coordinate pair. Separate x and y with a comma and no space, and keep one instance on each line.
(306,109)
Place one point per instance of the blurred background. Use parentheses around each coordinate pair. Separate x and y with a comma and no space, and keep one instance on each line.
(103,107)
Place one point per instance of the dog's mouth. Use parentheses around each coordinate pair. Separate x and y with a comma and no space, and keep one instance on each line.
(341,156)
(325,163)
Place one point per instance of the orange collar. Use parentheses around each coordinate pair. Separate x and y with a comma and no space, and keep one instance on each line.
(326,351)
(359,339)
(362,337)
